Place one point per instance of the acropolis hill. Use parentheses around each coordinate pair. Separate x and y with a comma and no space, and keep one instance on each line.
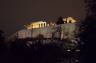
(67,30)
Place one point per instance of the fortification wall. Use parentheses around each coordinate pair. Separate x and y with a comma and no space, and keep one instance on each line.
(62,31)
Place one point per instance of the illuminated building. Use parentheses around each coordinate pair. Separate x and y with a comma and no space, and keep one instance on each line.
(50,30)
(69,20)
(41,24)
(38,24)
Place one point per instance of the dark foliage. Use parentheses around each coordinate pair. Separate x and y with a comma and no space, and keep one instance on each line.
(34,51)
(1,36)
(88,33)
(60,20)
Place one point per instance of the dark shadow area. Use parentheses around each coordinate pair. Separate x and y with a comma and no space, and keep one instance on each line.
(38,50)
(88,33)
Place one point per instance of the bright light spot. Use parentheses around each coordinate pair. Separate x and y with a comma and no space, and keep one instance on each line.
(68,50)
(76,60)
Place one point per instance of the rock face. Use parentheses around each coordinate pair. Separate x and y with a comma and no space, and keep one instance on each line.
(63,31)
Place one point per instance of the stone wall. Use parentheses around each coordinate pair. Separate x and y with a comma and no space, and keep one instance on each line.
(63,31)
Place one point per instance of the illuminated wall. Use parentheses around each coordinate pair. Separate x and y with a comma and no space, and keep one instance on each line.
(63,31)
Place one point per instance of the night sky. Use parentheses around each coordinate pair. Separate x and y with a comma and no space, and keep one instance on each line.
(16,13)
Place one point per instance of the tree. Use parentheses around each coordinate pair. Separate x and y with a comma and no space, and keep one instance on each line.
(60,21)
(88,33)
(40,36)
(1,36)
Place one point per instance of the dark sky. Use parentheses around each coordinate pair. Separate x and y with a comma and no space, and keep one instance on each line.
(16,13)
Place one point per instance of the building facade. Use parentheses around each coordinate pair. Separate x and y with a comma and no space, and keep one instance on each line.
(38,24)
